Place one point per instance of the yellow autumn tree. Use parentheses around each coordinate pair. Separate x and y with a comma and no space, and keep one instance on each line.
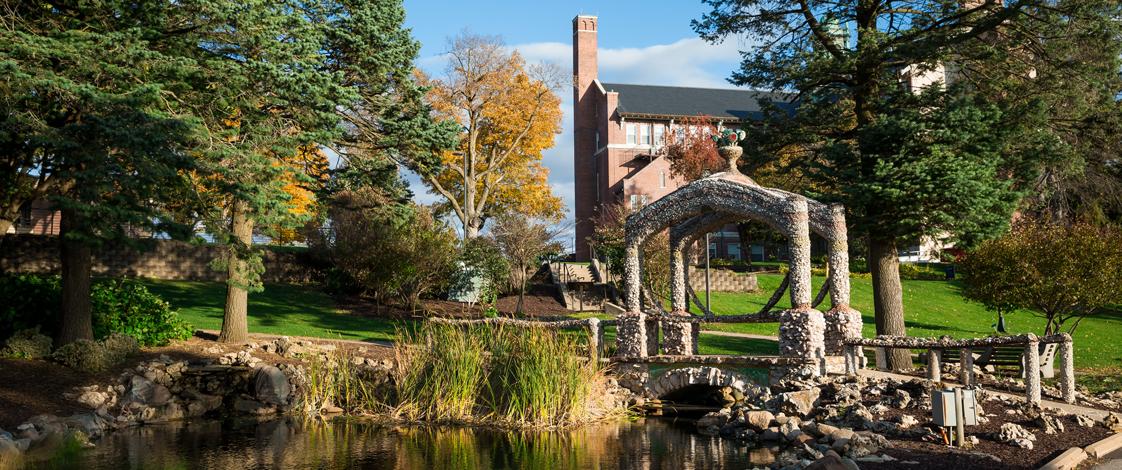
(509,114)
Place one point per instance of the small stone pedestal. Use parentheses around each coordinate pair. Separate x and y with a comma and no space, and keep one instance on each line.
(801,335)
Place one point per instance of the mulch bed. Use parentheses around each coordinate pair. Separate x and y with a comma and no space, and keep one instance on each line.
(34,387)
(937,456)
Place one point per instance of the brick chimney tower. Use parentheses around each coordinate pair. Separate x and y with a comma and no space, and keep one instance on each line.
(584,131)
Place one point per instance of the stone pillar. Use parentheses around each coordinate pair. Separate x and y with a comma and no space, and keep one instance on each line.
(851,361)
(678,298)
(631,277)
(1032,370)
(677,336)
(797,227)
(800,334)
(594,339)
(934,365)
(1067,369)
(842,322)
(631,335)
(966,367)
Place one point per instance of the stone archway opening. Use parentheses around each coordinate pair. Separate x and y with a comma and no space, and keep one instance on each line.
(725,197)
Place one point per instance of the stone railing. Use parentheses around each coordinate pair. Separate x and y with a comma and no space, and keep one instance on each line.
(935,346)
(595,328)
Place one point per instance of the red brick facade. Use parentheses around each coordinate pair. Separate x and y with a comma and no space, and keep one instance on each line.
(616,159)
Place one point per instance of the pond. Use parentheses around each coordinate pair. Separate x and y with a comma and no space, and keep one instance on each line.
(292,443)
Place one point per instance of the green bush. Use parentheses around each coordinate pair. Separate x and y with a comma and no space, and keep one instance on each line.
(95,356)
(124,306)
(27,344)
(83,355)
(119,306)
(29,301)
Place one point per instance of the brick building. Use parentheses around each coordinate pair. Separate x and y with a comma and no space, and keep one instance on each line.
(619,130)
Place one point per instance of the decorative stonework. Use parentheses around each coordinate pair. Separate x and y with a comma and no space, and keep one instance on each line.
(678,379)
(726,197)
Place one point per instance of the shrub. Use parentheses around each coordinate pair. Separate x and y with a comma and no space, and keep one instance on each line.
(124,306)
(118,346)
(95,356)
(83,355)
(388,254)
(29,301)
(27,344)
(119,306)
(1061,273)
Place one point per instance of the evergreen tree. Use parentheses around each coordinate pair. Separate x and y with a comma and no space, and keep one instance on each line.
(272,99)
(88,120)
(934,160)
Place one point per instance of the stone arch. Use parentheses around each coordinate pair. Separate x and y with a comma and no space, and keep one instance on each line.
(678,379)
(737,196)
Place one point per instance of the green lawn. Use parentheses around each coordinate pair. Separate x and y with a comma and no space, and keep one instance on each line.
(935,308)
(931,308)
(279,309)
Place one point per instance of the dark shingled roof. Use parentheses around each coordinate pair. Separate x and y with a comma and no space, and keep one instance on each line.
(652,100)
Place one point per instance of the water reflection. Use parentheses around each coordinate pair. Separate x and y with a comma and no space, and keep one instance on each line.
(291,443)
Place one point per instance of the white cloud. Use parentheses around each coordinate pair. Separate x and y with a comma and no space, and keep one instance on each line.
(686,62)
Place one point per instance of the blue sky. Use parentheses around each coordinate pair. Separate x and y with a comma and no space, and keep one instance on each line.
(647,42)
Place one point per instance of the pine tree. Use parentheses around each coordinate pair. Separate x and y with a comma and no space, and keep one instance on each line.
(906,164)
(90,122)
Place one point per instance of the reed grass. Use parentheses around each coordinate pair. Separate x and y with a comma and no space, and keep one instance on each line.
(496,374)
(333,380)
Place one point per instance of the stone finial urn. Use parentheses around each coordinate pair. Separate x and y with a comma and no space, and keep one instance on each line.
(731,154)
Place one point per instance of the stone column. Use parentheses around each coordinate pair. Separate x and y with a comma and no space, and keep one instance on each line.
(678,297)
(934,365)
(631,335)
(1067,369)
(1032,370)
(966,367)
(850,361)
(842,322)
(631,277)
(798,241)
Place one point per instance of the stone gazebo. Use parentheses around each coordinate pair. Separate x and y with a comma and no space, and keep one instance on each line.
(709,203)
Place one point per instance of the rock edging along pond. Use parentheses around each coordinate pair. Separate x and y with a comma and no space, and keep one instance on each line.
(166,389)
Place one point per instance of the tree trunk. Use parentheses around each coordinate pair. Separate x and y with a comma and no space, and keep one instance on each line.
(5,224)
(77,317)
(521,292)
(743,230)
(235,327)
(888,303)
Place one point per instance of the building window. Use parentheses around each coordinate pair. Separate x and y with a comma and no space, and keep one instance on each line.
(597,186)
(645,134)
(659,137)
(734,251)
(631,138)
(638,201)
(662,179)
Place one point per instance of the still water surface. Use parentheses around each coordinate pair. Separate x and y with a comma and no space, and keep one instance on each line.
(289,443)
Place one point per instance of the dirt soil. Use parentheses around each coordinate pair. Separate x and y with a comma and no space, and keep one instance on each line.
(937,456)
(34,387)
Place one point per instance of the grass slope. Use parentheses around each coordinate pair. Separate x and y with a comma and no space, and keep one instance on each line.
(935,308)
(279,309)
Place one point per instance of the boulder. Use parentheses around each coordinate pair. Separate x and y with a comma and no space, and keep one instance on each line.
(140,390)
(758,420)
(798,403)
(1014,434)
(830,461)
(93,399)
(272,386)
(253,407)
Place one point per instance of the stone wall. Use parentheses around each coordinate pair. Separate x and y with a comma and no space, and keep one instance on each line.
(722,280)
(156,259)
